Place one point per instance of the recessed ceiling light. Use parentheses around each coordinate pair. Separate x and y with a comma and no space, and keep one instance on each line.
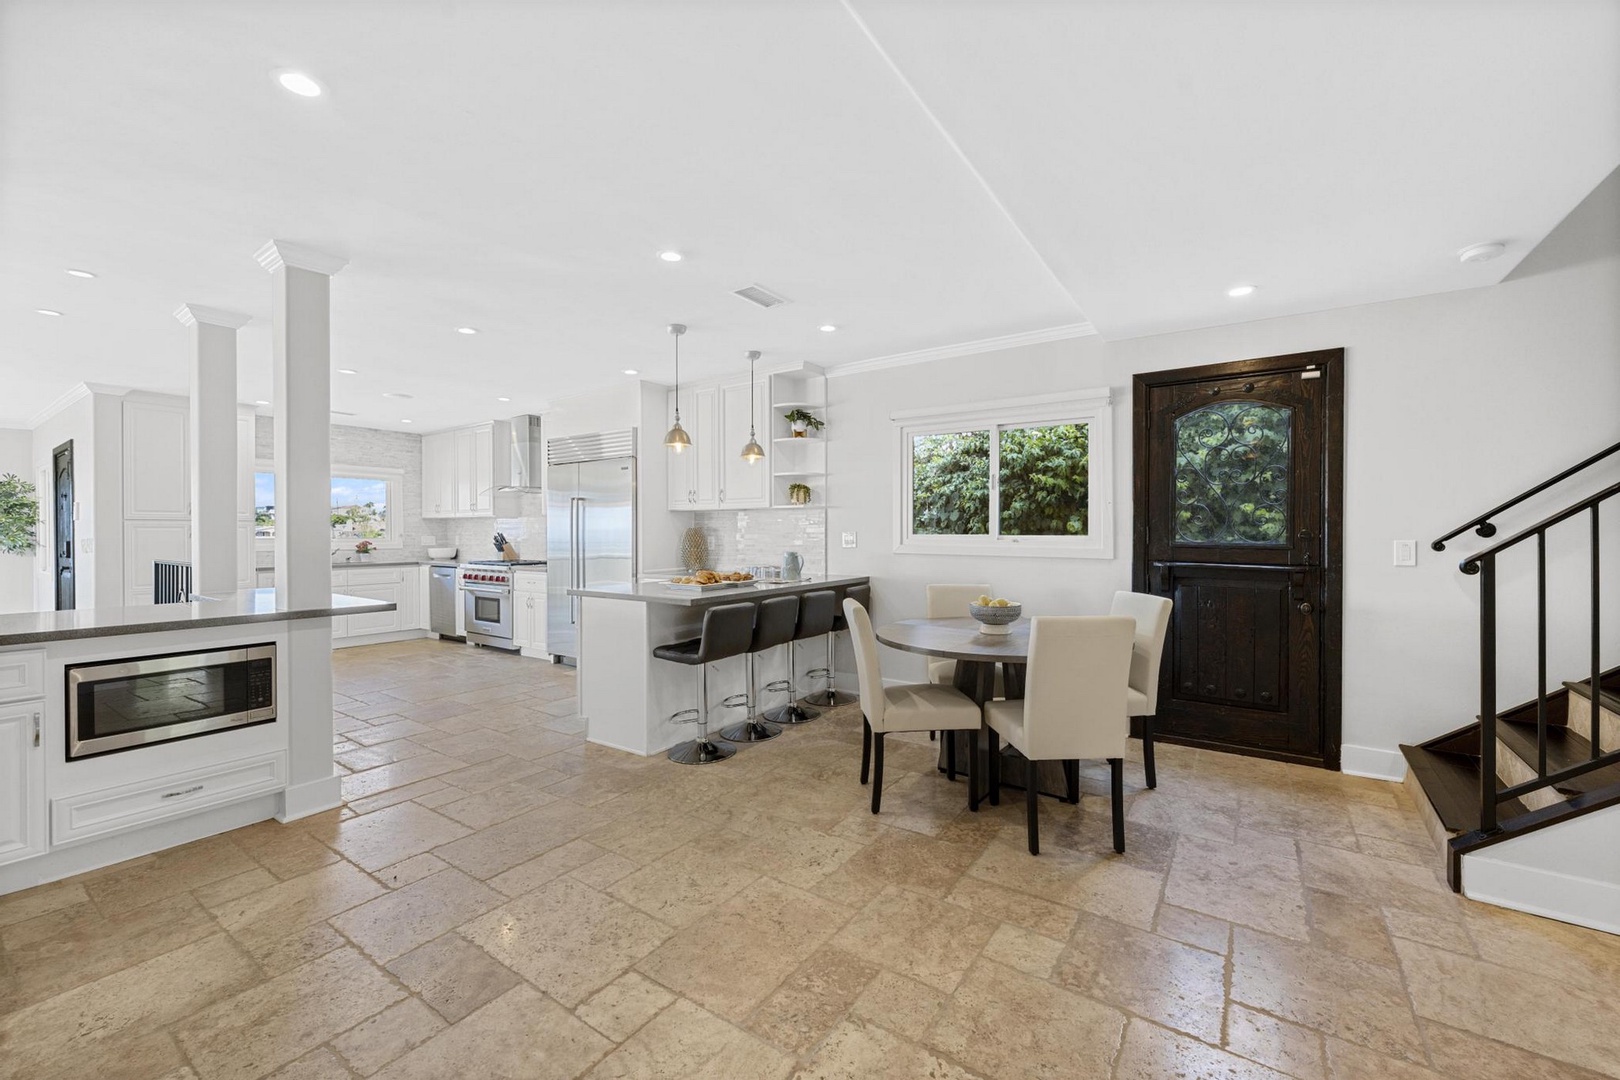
(347,371)
(1239,291)
(48,311)
(670,256)
(1477,253)
(261,402)
(397,394)
(631,371)
(503,399)
(299,83)
(828,328)
(407,421)
(466,329)
(80,273)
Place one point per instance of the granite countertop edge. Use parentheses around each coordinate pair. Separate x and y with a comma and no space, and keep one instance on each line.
(192,616)
(648,592)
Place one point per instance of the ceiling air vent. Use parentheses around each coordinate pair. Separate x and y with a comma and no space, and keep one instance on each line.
(340,412)
(759,294)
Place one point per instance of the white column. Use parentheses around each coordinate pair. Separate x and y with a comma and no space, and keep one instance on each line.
(301,332)
(213,447)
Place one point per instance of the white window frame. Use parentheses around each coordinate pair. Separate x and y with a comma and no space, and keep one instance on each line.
(1093,408)
(395,478)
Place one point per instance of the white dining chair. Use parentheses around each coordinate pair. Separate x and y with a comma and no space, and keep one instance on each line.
(911,707)
(950,602)
(1073,707)
(1152,615)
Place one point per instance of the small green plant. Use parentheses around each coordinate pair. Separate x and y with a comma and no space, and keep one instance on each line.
(19,515)
(802,420)
(799,494)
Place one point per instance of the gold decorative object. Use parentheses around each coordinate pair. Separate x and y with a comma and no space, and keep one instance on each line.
(694,549)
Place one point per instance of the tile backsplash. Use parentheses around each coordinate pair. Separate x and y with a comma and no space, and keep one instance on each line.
(749,537)
(473,536)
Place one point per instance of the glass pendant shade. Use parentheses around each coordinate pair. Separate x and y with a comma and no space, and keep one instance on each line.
(753,453)
(678,440)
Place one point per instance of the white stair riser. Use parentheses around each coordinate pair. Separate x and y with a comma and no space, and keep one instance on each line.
(1580,719)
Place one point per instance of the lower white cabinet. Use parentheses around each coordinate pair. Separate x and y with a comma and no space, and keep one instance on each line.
(22,780)
(97,813)
(529,611)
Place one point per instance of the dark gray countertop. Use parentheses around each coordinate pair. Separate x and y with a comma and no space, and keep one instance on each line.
(248,606)
(338,564)
(650,592)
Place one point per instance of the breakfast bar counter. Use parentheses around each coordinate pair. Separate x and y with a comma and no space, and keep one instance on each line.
(661,592)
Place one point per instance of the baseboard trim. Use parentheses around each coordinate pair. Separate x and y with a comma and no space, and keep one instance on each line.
(311,797)
(379,639)
(1548,893)
(1373,762)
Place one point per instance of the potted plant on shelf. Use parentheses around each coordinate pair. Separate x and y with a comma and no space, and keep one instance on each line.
(799,494)
(362,551)
(802,422)
(19,515)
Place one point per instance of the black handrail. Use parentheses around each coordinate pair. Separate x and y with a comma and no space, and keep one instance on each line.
(1484,565)
(1482,524)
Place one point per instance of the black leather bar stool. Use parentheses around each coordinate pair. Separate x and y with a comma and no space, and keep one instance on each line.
(728,630)
(817,611)
(773,626)
(832,696)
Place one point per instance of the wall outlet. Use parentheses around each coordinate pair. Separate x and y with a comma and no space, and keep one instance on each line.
(430,541)
(1406,553)
(849,540)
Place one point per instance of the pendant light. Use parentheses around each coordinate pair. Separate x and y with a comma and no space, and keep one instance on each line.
(753,453)
(677,440)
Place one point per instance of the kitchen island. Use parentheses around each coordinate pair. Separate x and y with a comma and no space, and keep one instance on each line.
(129,730)
(626,695)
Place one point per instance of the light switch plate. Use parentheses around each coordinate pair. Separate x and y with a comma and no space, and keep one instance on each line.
(849,540)
(1406,553)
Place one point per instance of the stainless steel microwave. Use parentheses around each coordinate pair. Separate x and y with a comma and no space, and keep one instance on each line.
(125,704)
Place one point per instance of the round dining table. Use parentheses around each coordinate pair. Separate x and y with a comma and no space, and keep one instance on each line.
(977,654)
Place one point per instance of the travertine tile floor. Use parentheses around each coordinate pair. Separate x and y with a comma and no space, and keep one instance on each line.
(499,899)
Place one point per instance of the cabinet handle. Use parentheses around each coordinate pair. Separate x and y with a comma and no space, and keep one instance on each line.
(722,494)
(192,790)
(36,728)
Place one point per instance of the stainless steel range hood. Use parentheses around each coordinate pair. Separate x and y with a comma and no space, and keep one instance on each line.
(528,451)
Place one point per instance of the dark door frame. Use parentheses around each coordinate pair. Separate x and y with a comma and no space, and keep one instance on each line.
(56,528)
(1331,363)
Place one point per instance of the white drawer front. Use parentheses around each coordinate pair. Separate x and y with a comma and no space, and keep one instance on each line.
(22,676)
(97,813)
(389,575)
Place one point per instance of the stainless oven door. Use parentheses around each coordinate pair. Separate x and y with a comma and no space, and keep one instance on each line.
(488,613)
(121,705)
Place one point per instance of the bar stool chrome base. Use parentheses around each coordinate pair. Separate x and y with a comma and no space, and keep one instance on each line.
(701,751)
(830,698)
(791,713)
(755,730)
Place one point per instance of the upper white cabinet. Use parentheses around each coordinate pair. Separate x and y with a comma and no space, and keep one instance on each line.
(712,475)
(462,468)
(157,472)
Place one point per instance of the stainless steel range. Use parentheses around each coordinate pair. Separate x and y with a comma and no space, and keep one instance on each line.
(486,591)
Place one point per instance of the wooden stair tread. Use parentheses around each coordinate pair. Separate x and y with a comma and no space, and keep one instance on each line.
(1608,693)
(1451,781)
(1565,748)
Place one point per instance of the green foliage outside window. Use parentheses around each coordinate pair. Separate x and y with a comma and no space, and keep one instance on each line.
(1232,471)
(1044,482)
(19,515)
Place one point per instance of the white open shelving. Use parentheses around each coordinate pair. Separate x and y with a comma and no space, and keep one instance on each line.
(795,460)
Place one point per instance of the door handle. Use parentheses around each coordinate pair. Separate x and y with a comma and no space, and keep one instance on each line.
(1305,607)
(36,728)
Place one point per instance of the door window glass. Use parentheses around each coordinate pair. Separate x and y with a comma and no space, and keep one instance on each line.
(1232,474)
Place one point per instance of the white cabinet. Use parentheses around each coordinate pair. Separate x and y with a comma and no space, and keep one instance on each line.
(682,468)
(438,474)
(264,579)
(340,584)
(461,469)
(22,780)
(743,484)
(146,541)
(529,611)
(712,475)
(157,470)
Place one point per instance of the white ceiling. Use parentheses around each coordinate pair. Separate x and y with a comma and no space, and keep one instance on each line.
(920,174)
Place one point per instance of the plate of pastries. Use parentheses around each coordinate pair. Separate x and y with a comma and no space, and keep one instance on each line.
(711,581)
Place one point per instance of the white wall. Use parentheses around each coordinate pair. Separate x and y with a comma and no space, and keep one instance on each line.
(1454,403)
(17,571)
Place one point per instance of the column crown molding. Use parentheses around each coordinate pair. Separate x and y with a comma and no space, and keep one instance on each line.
(191,314)
(279,253)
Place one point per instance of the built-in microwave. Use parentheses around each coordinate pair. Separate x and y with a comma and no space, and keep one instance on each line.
(126,704)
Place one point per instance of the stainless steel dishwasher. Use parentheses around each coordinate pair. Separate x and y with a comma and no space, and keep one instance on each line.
(442,600)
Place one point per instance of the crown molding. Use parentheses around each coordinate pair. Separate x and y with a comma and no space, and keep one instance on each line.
(8,423)
(965,348)
(78,392)
(192,314)
(279,253)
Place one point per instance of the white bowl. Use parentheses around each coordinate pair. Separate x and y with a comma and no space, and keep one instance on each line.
(995,621)
(442,553)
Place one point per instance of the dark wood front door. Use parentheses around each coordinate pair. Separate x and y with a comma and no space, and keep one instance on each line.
(1238,519)
(62,486)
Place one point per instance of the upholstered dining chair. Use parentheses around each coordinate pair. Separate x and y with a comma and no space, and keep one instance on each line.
(950,602)
(1152,615)
(1073,707)
(911,707)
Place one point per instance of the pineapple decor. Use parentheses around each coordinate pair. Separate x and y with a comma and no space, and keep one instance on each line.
(694,549)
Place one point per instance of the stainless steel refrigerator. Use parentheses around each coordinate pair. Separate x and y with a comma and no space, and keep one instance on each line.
(590,526)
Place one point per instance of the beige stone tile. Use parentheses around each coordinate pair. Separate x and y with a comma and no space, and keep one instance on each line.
(424,792)
(1116,890)
(684,1042)
(732,961)
(1150,1053)
(1001,904)
(1347,1061)
(280,955)
(1350,927)
(386,729)
(1357,1001)
(113,1022)
(263,918)
(1571,954)
(360,785)
(913,861)
(1023,950)
(386,753)
(454,976)
(543,868)
(397,922)
(604,871)
(275,1022)
(521,1035)
(1177,985)
(1238,884)
(1194,928)
(40,900)
(1393,884)
(567,938)
(1441,933)
(401,1027)
(373,841)
(498,772)
(500,803)
(856,1049)
(517,840)
(320,1064)
(1276,1043)
(1522,1009)
(284,850)
(408,870)
(1002,1022)
(643,841)
(805,1007)
(623,1005)
(167,874)
(796,855)
(917,936)
(902,1005)
(683,886)
(1413,854)
(1459,1053)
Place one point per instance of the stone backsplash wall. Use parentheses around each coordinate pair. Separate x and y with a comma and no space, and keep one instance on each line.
(740,538)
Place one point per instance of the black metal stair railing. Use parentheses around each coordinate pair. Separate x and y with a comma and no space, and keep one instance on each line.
(1483,564)
(1483,526)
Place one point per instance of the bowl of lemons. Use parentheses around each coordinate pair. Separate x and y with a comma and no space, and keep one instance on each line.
(995,616)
